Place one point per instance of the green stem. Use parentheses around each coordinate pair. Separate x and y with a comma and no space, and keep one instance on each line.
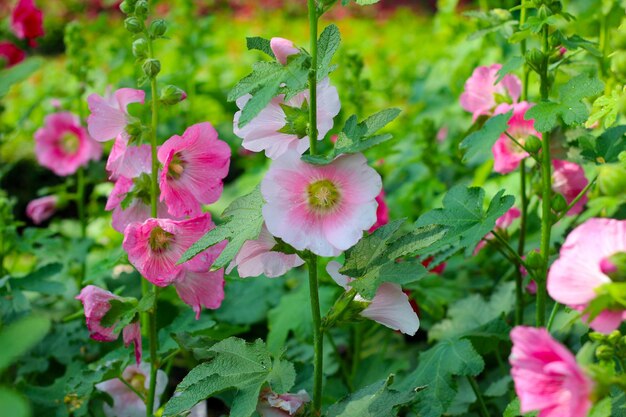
(356,351)
(484,5)
(130,387)
(154,365)
(555,309)
(318,336)
(342,364)
(313,19)
(518,259)
(519,279)
(576,199)
(481,402)
(80,203)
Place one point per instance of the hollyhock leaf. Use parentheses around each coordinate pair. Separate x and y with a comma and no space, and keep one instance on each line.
(242,221)
(18,73)
(13,404)
(262,73)
(282,377)
(378,399)
(607,147)
(571,108)
(478,145)
(511,65)
(20,336)
(120,313)
(258,102)
(512,410)
(244,367)
(260,44)
(464,215)
(401,273)
(39,281)
(436,370)
(327,45)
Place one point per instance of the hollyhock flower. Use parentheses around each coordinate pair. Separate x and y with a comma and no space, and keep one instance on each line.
(63,145)
(578,272)
(194,166)
(502,223)
(389,307)
(282,49)
(482,94)
(569,180)
(506,153)
(437,270)
(96,303)
(284,405)
(41,209)
(109,115)
(126,403)
(10,54)
(256,257)
(27,21)
(546,376)
(382,212)
(128,161)
(263,133)
(203,288)
(324,209)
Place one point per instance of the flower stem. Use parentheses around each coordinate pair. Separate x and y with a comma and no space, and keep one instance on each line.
(519,279)
(481,402)
(555,309)
(80,203)
(576,199)
(318,337)
(313,18)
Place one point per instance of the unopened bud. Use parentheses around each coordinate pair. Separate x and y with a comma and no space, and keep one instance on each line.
(532,144)
(614,266)
(558,203)
(171,94)
(534,260)
(157,28)
(614,337)
(612,179)
(141,9)
(140,48)
(597,337)
(133,25)
(151,67)
(126,7)
(604,352)
(535,59)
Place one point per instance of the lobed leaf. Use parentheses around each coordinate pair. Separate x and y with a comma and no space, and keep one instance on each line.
(260,44)
(478,145)
(607,147)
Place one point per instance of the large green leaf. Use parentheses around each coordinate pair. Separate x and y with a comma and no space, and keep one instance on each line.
(607,147)
(18,73)
(327,45)
(19,337)
(13,404)
(39,280)
(478,145)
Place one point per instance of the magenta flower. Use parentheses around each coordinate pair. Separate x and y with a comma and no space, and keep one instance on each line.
(128,161)
(41,209)
(382,212)
(63,145)
(578,272)
(194,166)
(506,153)
(284,405)
(482,94)
(324,209)
(256,257)
(10,54)
(27,21)
(203,288)
(282,49)
(263,132)
(502,223)
(109,115)
(96,303)
(546,376)
(389,307)
(127,403)
(569,180)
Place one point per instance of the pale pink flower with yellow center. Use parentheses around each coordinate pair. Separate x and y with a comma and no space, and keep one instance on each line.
(62,144)
(109,115)
(96,303)
(482,94)
(390,306)
(256,257)
(581,268)
(126,402)
(569,180)
(41,209)
(546,376)
(281,405)
(506,153)
(324,209)
(263,132)
(194,166)
(282,49)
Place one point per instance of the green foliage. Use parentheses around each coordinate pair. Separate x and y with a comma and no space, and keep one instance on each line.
(607,147)
(13,404)
(242,221)
(570,109)
(478,145)
(512,410)
(260,44)
(125,310)
(19,337)
(244,367)
(18,73)
(436,370)
(39,281)
(327,45)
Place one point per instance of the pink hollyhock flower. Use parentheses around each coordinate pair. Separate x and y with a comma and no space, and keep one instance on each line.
(282,49)
(576,275)
(437,270)
(263,132)
(546,376)
(256,257)
(389,307)
(503,222)
(506,153)
(126,403)
(109,115)
(194,166)
(382,212)
(284,405)
(96,302)
(27,21)
(41,209)
(482,94)
(324,209)
(128,161)
(10,54)
(202,288)
(569,180)
(63,145)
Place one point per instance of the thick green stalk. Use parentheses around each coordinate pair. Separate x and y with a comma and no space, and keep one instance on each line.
(80,203)
(313,19)
(318,336)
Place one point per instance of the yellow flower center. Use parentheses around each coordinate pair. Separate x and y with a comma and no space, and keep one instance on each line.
(137,381)
(69,143)
(176,167)
(323,195)
(159,239)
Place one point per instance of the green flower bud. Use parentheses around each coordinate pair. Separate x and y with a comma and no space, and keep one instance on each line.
(133,25)
(151,67)
(558,203)
(157,28)
(612,179)
(140,48)
(141,9)
(532,144)
(126,7)
(535,59)
(614,337)
(619,38)
(605,352)
(597,337)
(534,260)
(171,94)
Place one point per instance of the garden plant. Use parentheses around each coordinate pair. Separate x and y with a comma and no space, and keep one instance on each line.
(339,208)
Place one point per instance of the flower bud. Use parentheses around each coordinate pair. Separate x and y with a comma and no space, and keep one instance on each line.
(619,38)
(532,144)
(140,48)
(614,337)
(171,94)
(157,28)
(535,59)
(534,260)
(133,25)
(126,7)
(558,203)
(141,9)
(151,67)
(597,337)
(604,352)
(612,179)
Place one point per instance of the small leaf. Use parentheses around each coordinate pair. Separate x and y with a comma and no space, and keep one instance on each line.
(18,73)
(260,44)
(327,45)
(511,65)
(478,145)
(607,147)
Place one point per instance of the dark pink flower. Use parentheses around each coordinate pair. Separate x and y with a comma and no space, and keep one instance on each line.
(41,209)
(506,153)
(382,212)
(63,145)
(11,54)
(194,166)
(569,180)
(27,20)
(203,288)
(109,115)
(502,223)
(482,94)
